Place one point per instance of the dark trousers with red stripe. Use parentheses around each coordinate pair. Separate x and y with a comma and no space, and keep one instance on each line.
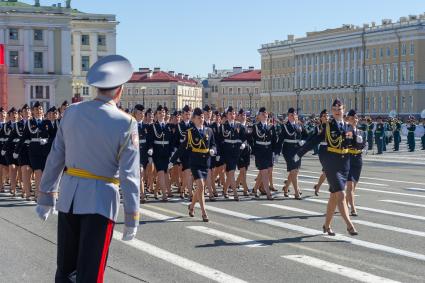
(83,245)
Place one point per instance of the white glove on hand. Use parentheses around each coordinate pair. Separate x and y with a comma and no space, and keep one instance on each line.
(129,233)
(301,142)
(276,158)
(242,146)
(3,153)
(43,141)
(217,158)
(43,211)
(296,158)
(359,139)
(212,152)
(15,156)
(150,152)
(170,165)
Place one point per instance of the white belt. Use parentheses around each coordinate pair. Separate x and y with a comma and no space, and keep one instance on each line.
(27,141)
(142,141)
(232,141)
(263,143)
(3,140)
(323,143)
(16,140)
(291,141)
(161,142)
(181,140)
(35,140)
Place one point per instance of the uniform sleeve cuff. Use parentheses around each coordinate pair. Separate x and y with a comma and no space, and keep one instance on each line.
(132,219)
(45,199)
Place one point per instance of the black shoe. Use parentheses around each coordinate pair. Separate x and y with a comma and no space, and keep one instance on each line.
(352,231)
(328,231)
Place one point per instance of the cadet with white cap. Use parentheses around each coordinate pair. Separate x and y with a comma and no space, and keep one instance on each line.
(98,157)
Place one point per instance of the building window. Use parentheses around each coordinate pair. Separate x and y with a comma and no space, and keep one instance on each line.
(136,91)
(86,91)
(388,52)
(403,49)
(412,48)
(157,91)
(388,74)
(129,91)
(410,104)
(374,53)
(38,34)
(230,90)
(85,63)
(165,91)
(381,52)
(379,104)
(403,73)
(395,51)
(388,106)
(395,73)
(256,90)
(412,73)
(367,104)
(13,59)
(85,39)
(239,90)
(13,34)
(38,60)
(101,40)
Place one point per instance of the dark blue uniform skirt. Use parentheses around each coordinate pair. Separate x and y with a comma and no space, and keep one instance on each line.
(263,159)
(37,161)
(322,151)
(24,159)
(161,163)
(289,154)
(356,163)
(199,173)
(337,167)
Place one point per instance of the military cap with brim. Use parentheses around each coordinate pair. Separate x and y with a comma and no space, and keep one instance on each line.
(291,110)
(352,113)
(207,108)
(139,107)
(52,110)
(110,72)
(324,111)
(197,112)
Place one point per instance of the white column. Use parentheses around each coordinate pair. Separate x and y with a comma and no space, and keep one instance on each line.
(66,52)
(50,51)
(307,73)
(296,73)
(343,67)
(2,36)
(355,67)
(323,82)
(361,79)
(28,66)
(77,53)
(93,48)
(329,65)
(348,67)
(111,43)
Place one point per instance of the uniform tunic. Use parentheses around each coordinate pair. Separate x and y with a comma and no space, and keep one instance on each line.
(356,160)
(12,139)
(290,139)
(182,128)
(22,147)
(3,140)
(36,136)
(264,139)
(143,129)
(161,140)
(231,139)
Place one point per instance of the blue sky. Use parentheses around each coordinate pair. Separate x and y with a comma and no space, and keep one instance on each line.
(188,36)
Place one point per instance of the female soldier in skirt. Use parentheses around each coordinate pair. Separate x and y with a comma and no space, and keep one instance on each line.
(324,118)
(199,143)
(245,157)
(3,163)
(336,163)
(356,161)
(9,146)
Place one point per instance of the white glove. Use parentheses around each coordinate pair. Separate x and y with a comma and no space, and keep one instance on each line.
(243,146)
(178,160)
(15,156)
(3,153)
(43,211)
(217,158)
(301,142)
(359,139)
(150,152)
(129,233)
(296,158)
(170,165)
(276,158)
(212,152)
(43,141)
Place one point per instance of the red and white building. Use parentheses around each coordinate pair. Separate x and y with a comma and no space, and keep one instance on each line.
(153,88)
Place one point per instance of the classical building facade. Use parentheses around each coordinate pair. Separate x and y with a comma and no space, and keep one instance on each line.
(375,69)
(153,88)
(48,50)
(237,87)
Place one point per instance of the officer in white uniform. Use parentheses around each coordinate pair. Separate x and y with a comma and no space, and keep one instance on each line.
(97,145)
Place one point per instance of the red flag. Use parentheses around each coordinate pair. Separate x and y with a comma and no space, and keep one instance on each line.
(1,54)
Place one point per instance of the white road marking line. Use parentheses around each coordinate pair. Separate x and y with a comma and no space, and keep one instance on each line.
(416,189)
(294,209)
(338,269)
(179,261)
(390,228)
(226,236)
(377,179)
(374,184)
(158,216)
(313,232)
(361,222)
(405,215)
(403,203)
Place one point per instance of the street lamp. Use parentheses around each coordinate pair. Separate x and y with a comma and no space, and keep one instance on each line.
(356,89)
(250,101)
(298,91)
(77,85)
(143,90)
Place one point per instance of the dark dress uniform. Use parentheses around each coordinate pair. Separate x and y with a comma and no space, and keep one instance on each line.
(50,129)
(161,140)
(217,161)
(411,137)
(291,140)
(356,161)
(245,157)
(379,137)
(3,140)
(336,159)
(369,127)
(397,136)
(22,147)
(197,145)
(12,139)
(36,135)
(143,130)
(182,128)
(323,145)
(264,143)
(231,139)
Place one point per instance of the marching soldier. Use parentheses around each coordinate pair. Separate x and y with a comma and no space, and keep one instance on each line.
(98,157)
(379,135)
(411,135)
(396,134)
(217,162)
(232,138)
(423,136)
(291,139)
(336,163)
(199,143)
(245,157)
(8,150)
(369,129)
(143,129)
(264,139)
(3,163)
(324,118)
